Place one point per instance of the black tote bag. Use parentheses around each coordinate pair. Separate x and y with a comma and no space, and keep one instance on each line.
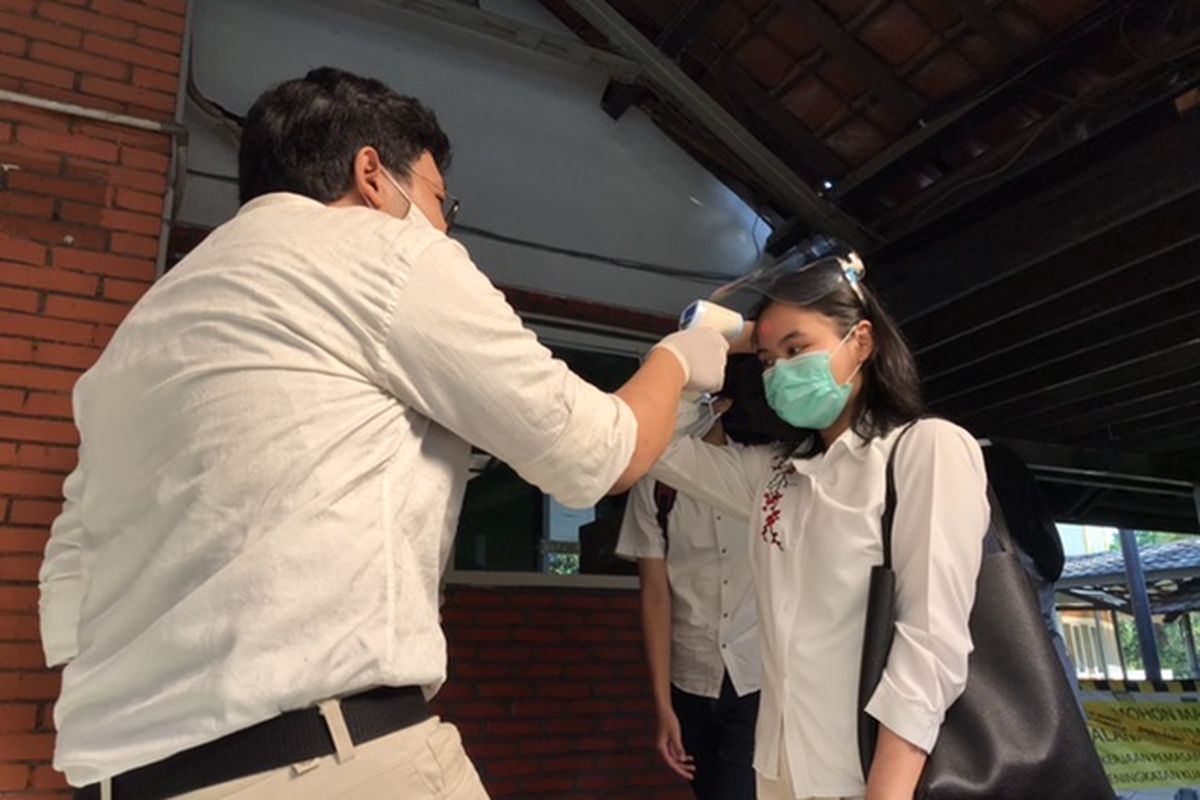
(1016,732)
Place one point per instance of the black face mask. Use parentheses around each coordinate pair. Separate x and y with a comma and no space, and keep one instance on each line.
(751,420)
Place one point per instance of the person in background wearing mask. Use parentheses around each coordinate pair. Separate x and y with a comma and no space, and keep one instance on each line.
(837,367)
(243,582)
(698,616)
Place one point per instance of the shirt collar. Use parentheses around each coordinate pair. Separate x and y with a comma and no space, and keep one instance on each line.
(849,442)
(278,199)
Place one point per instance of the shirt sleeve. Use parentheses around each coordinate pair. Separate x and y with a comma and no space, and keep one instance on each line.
(641,536)
(726,478)
(457,352)
(62,579)
(942,515)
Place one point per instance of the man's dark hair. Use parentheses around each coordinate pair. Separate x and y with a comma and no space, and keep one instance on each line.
(302,135)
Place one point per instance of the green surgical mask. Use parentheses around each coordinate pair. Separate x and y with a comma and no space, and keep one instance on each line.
(803,391)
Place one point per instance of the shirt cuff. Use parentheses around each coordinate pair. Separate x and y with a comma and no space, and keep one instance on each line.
(593,450)
(904,716)
(642,551)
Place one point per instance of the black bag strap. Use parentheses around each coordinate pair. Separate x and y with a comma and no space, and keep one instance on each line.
(997,528)
(889,496)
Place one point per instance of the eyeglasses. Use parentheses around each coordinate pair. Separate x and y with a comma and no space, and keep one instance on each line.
(451,205)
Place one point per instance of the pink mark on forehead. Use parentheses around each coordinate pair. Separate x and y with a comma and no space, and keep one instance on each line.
(764,328)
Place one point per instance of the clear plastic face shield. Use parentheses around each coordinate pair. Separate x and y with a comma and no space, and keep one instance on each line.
(801,277)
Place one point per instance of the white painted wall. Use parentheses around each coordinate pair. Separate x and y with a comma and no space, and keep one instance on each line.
(535,156)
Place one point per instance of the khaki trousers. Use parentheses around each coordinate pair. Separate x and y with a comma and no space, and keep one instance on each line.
(422,762)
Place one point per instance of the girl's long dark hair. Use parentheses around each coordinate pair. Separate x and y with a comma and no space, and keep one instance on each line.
(891,388)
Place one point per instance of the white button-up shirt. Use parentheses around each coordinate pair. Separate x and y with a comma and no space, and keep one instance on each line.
(274,451)
(714,621)
(813,538)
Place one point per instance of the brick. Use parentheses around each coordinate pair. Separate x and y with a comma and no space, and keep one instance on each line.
(565,691)
(53,330)
(21,627)
(85,146)
(22,429)
(30,159)
(134,54)
(141,201)
(24,570)
(590,671)
(46,777)
(27,205)
(480,635)
(13,776)
(17,716)
(103,263)
(39,456)
(477,599)
(57,233)
(588,707)
(13,45)
(33,377)
(19,6)
(42,404)
(133,245)
(65,355)
(23,251)
(6,132)
(86,310)
(509,767)
(557,619)
(153,79)
(100,22)
(18,598)
(15,349)
(103,335)
(73,59)
(501,618)
(515,728)
(485,690)
(103,87)
(479,709)
(140,14)
(142,159)
(546,747)
(27,746)
(154,141)
(21,655)
(27,25)
(78,98)
(10,400)
(121,176)
(97,192)
(21,540)
(42,73)
(18,300)
(29,483)
(166,42)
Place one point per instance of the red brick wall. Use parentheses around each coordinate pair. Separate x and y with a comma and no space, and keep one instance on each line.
(80,209)
(550,691)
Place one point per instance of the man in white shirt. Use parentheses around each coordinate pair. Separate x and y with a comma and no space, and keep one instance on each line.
(700,624)
(244,579)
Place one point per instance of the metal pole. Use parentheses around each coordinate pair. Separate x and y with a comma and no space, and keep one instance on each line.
(1139,602)
(1100,641)
(1120,652)
(1189,639)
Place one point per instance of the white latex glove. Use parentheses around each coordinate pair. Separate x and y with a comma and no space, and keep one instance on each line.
(701,352)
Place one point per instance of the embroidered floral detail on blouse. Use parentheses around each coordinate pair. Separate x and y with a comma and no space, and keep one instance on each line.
(772,497)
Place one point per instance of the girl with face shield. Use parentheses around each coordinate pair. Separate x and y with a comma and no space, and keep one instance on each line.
(836,370)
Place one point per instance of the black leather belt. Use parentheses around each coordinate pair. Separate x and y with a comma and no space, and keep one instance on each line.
(290,738)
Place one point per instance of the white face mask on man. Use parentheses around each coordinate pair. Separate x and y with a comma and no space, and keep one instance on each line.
(414,210)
